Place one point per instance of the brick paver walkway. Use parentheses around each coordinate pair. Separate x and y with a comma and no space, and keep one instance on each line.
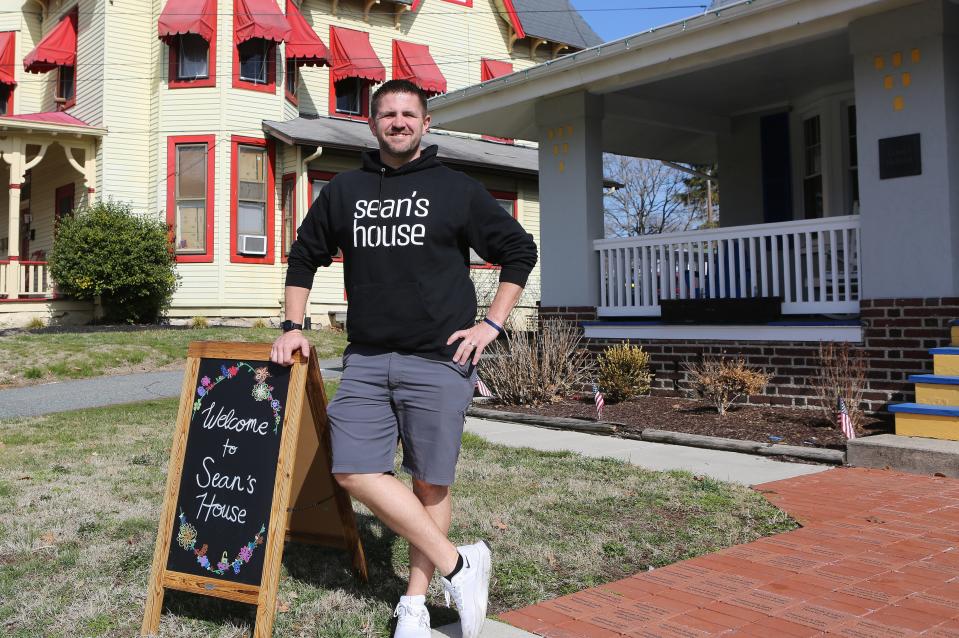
(878,555)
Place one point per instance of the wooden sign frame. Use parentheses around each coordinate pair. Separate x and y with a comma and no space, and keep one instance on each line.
(302,477)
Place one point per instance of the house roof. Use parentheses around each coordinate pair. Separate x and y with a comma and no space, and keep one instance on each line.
(556,21)
(53,120)
(350,135)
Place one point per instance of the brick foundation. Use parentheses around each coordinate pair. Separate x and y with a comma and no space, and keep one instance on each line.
(897,335)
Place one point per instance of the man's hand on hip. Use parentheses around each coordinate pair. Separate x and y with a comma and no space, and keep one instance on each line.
(288,343)
(474,341)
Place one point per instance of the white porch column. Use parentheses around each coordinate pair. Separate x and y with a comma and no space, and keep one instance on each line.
(907,82)
(15,158)
(571,198)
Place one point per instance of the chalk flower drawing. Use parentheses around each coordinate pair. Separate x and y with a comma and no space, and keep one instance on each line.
(261,390)
(186,537)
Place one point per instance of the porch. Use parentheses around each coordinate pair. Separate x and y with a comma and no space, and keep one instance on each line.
(49,165)
(811,267)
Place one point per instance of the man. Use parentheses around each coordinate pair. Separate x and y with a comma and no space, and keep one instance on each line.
(405,224)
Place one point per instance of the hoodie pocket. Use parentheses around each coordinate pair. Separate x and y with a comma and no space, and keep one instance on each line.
(390,315)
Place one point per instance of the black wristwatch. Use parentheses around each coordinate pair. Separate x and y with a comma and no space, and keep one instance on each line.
(289,325)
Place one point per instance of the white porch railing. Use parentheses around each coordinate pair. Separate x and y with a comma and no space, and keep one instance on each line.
(813,265)
(36,281)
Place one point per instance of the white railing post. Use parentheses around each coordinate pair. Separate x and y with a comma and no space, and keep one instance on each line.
(813,265)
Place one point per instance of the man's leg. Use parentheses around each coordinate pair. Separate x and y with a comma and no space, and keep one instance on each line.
(436,499)
(395,505)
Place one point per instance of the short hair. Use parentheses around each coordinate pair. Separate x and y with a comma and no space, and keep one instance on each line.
(397,86)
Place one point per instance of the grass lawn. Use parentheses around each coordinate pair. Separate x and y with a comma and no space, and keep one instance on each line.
(52,356)
(80,497)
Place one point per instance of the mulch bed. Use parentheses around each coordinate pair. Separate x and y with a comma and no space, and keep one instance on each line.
(788,426)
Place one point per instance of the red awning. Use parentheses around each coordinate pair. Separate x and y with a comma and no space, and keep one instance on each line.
(413,62)
(304,45)
(494,68)
(353,57)
(7,58)
(57,48)
(259,19)
(187,16)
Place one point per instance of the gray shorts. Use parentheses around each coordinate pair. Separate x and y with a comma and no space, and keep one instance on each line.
(385,396)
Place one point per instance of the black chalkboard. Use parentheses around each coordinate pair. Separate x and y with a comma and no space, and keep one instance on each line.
(223,507)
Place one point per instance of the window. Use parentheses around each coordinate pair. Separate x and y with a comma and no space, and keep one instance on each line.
(190,196)
(66,87)
(812,168)
(292,80)
(352,97)
(508,202)
(255,65)
(852,189)
(252,209)
(193,59)
(288,213)
(6,99)
(317,181)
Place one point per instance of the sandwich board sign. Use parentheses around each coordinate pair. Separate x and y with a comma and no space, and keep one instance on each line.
(249,469)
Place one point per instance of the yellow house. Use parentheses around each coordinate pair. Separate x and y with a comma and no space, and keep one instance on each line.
(225,118)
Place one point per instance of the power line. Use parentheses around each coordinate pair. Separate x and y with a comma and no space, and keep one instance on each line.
(459,12)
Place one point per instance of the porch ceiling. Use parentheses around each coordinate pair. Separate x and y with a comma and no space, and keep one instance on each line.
(669,92)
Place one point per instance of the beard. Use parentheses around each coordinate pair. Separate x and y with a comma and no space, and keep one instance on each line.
(400,145)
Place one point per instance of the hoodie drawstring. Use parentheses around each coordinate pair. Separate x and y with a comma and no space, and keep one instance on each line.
(382,174)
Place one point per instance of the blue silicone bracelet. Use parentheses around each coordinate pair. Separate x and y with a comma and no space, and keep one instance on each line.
(493,323)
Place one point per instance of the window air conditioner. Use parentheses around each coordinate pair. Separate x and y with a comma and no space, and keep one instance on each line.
(253,244)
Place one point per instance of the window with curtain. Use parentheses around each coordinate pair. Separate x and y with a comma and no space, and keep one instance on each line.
(292,78)
(350,94)
(193,57)
(509,205)
(5,91)
(191,191)
(251,191)
(65,77)
(254,57)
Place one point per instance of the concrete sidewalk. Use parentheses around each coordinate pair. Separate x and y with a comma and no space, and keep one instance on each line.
(60,396)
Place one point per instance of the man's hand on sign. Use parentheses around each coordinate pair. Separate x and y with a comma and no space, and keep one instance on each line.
(474,340)
(288,343)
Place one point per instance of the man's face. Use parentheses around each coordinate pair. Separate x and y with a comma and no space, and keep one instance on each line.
(399,124)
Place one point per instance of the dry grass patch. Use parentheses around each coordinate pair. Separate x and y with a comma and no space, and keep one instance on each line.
(53,356)
(80,496)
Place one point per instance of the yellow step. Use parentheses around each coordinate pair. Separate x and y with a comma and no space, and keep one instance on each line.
(937,394)
(945,361)
(928,421)
(955,335)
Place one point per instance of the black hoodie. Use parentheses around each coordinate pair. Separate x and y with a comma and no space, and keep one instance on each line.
(405,235)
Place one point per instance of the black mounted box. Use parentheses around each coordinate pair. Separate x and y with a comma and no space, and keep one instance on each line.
(753,310)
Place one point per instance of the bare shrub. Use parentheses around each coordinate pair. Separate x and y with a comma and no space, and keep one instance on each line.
(198,323)
(841,373)
(721,381)
(624,372)
(539,367)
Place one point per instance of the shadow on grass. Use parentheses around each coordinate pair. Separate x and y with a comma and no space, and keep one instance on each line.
(325,569)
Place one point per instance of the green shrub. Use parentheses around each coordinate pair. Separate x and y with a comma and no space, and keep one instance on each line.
(722,381)
(107,250)
(198,323)
(624,372)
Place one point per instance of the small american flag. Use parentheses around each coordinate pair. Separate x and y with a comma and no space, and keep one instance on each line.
(600,402)
(845,423)
(483,389)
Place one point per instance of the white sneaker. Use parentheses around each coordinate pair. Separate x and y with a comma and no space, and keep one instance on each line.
(413,620)
(469,588)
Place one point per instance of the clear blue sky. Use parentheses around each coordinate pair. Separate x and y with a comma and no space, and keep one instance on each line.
(613,19)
